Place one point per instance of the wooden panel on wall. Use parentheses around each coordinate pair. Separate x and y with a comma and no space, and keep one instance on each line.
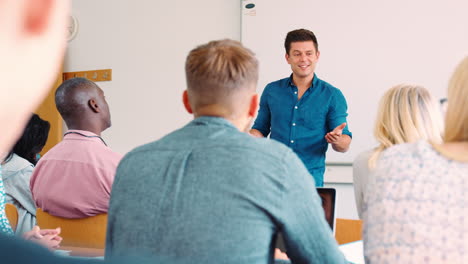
(48,111)
(94,75)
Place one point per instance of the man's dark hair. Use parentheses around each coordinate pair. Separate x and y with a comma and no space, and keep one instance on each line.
(299,35)
(32,141)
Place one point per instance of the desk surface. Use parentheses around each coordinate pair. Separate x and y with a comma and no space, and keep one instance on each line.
(354,252)
(83,252)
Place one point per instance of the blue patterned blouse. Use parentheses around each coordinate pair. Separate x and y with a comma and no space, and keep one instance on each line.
(5,227)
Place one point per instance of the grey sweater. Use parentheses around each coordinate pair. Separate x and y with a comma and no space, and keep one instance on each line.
(16,174)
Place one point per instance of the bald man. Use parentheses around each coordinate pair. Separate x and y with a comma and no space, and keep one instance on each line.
(74,179)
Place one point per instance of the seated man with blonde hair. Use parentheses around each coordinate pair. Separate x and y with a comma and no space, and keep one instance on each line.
(209,192)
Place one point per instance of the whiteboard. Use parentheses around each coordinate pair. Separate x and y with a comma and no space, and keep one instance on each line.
(366,47)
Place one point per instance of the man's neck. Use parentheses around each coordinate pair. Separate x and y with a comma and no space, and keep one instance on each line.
(303,83)
(215,111)
(85,128)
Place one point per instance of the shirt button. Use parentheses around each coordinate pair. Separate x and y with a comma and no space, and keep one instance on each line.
(295,107)
(294,124)
(292,141)
(295,92)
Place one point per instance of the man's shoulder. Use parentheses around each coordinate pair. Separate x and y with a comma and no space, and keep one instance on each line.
(266,146)
(81,151)
(237,141)
(109,153)
(278,83)
(55,151)
(16,163)
(327,86)
(170,141)
(110,157)
(142,149)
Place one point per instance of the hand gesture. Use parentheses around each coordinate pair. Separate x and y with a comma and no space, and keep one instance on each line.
(335,135)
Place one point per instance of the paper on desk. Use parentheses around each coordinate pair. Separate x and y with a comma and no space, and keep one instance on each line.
(62,253)
(353,252)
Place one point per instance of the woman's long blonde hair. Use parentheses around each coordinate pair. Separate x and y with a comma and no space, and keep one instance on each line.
(456,122)
(407,113)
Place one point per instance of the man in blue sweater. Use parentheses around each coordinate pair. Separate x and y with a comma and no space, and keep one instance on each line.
(210,192)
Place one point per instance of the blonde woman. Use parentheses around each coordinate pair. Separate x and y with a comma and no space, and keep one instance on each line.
(407,113)
(416,208)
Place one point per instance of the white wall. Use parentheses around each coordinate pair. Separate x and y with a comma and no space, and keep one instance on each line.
(145,43)
(366,47)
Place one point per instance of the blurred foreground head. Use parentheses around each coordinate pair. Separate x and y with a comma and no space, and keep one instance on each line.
(32,44)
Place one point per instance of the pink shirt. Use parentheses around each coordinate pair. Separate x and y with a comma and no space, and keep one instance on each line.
(75,177)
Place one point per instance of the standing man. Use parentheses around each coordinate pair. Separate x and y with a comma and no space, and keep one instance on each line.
(211,193)
(302,111)
(74,178)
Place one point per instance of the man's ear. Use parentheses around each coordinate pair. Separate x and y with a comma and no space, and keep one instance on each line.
(318,54)
(94,106)
(286,56)
(37,15)
(186,102)
(253,108)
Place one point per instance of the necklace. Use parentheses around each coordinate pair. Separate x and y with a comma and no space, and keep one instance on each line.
(83,135)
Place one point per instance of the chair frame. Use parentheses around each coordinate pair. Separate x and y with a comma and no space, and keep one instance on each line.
(348,230)
(12,214)
(89,232)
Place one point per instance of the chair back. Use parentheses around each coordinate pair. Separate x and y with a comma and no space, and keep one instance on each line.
(12,215)
(348,230)
(89,232)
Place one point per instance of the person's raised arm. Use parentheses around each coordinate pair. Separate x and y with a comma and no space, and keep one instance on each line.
(338,136)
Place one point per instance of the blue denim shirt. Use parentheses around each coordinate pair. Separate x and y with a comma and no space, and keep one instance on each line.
(302,124)
(209,193)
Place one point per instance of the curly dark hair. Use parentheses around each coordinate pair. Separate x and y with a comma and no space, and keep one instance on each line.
(32,141)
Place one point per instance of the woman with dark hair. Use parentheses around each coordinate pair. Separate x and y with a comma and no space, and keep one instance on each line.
(17,169)
(33,139)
